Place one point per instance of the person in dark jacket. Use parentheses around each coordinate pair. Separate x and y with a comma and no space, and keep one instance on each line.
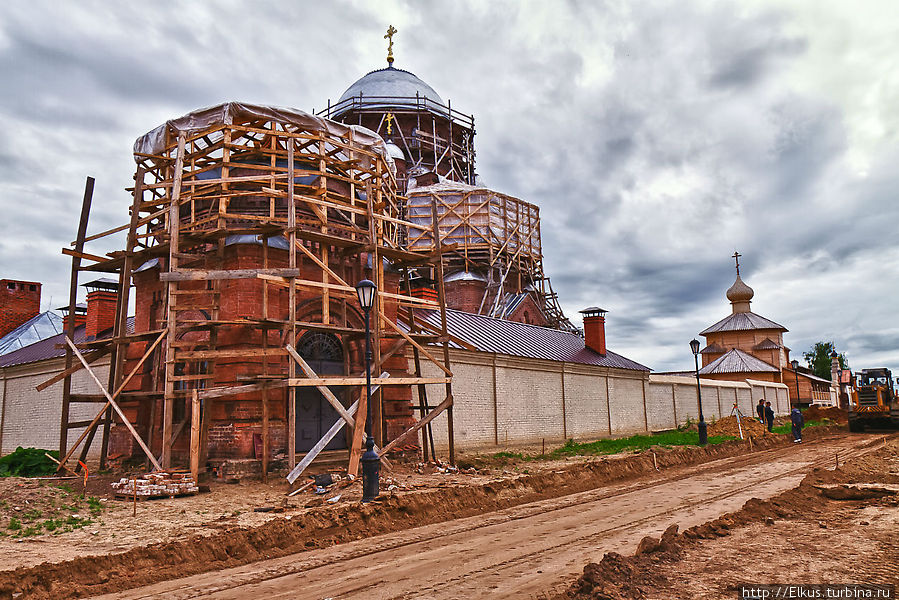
(798,421)
(769,415)
(760,410)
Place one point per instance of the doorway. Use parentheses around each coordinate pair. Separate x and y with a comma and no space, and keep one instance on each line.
(315,415)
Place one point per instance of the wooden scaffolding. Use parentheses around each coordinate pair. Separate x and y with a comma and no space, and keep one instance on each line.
(319,201)
(490,233)
(432,136)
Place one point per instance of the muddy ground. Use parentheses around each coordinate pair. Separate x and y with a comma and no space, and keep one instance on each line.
(177,537)
(839,526)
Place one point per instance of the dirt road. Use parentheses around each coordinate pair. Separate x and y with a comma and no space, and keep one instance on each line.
(521,552)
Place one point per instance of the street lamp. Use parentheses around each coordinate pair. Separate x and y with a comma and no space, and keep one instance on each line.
(703,431)
(371,462)
(795,364)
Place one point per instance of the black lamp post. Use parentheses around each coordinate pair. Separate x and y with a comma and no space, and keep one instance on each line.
(703,430)
(795,364)
(371,462)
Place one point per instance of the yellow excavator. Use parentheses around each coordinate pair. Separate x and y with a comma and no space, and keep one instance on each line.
(873,400)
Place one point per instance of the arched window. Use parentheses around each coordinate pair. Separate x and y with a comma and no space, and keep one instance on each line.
(320,346)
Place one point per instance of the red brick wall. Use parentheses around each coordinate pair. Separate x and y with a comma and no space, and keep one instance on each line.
(235,419)
(18,303)
(528,312)
(101,306)
(464,295)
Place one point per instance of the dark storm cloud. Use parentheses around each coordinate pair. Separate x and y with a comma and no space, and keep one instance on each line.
(657,138)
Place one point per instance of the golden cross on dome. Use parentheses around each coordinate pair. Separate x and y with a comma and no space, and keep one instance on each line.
(390,119)
(736,257)
(390,33)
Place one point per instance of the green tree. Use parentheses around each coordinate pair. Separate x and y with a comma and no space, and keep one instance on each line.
(818,359)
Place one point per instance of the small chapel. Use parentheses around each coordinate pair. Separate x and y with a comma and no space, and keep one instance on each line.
(745,345)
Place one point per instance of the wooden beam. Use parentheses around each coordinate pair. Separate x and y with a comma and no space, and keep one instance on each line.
(351,381)
(195,435)
(350,291)
(94,257)
(115,406)
(448,402)
(94,357)
(106,406)
(326,439)
(73,291)
(328,394)
(174,225)
(206,275)
(421,348)
(233,390)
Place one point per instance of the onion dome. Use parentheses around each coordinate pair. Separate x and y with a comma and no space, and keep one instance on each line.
(394,151)
(740,295)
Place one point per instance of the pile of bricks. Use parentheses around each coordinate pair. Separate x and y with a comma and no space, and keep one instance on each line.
(157,485)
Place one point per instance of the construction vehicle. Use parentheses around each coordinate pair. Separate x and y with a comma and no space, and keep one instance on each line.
(873,400)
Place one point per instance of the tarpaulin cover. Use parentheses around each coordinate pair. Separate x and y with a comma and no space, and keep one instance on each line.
(155,141)
(489,217)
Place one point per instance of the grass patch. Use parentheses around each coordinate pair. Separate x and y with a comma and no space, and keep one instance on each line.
(94,505)
(614,446)
(14,524)
(787,427)
(636,442)
(32,515)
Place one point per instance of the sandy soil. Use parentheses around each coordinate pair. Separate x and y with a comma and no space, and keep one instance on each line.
(173,538)
(518,552)
(839,526)
(112,527)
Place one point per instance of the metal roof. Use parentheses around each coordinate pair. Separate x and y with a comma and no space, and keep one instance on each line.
(46,348)
(737,361)
(500,336)
(33,330)
(744,321)
(393,87)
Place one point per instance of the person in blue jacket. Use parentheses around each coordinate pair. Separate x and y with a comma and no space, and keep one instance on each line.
(798,421)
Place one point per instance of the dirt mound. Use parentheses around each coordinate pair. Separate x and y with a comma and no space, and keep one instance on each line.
(817,413)
(324,526)
(728,426)
(618,577)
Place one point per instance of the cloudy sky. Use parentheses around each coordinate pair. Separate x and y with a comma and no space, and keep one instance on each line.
(657,138)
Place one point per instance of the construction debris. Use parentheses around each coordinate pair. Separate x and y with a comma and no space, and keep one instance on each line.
(162,484)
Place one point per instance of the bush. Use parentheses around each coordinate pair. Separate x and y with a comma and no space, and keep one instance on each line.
(28,462)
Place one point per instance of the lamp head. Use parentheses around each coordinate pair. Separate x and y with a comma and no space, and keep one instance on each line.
(694,346)
(794,363)
(365,289)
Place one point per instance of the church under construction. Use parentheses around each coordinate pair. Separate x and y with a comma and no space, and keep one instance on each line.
(249,227)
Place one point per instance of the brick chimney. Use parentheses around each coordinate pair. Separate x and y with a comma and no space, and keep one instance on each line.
(101,305)
(595,329)
(425,293)
(19,301)
(80,315)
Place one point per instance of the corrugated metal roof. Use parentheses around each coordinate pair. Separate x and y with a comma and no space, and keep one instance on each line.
(46,348)
(33,330)
(737,361)
(488,334)
(743,322)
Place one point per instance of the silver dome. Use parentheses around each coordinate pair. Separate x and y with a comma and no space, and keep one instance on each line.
(396,84)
